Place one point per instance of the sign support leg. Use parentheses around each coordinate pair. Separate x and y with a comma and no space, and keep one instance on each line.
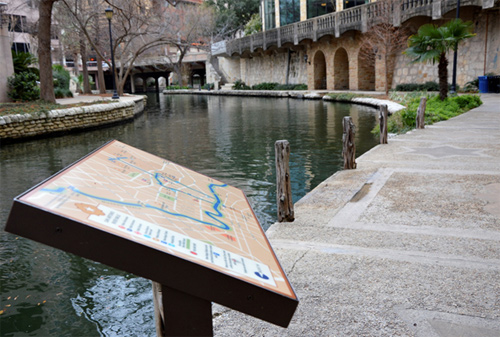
(181,314)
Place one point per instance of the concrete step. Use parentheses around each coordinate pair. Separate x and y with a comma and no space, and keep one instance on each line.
(227,86)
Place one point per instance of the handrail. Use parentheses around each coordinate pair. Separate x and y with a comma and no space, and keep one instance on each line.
(339,22)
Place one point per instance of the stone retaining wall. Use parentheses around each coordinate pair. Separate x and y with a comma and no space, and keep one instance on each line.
(17,127)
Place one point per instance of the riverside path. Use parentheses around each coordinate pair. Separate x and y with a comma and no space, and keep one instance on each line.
(408,244)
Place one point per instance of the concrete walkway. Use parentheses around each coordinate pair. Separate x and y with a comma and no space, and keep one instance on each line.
(92,98)
(408,244)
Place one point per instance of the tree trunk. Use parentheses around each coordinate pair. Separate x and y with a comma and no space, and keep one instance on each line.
(85,71)
(44,53)
(443,76)
(100,76)
(100,72)
(386,73)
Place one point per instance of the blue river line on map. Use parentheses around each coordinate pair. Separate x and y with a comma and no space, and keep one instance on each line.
(156,175)
(215,205)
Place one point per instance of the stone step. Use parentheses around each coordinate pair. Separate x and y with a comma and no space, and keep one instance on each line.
(227,86)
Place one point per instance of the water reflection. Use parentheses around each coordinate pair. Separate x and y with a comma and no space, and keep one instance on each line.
(47,292)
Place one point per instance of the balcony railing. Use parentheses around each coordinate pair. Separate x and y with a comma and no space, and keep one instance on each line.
(357,18)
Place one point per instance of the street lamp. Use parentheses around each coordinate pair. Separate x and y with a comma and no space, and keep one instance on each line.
(3,7)
(109,16)
(453,88)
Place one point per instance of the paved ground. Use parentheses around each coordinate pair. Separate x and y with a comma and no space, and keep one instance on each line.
(90,98)
(408,244)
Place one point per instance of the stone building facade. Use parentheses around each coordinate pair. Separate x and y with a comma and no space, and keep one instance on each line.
(324,52)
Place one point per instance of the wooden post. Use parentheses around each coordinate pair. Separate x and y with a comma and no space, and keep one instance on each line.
(180,314)
(158,313)
(283,184)
(349,147)
(383,123)
(421,113)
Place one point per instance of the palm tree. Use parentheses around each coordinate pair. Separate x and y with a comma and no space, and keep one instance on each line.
(431,43)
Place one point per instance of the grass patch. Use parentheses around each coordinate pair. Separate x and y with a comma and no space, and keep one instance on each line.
(347,96)
(36,107)
(436,110)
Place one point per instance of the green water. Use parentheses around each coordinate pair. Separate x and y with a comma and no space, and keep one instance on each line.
(47,292)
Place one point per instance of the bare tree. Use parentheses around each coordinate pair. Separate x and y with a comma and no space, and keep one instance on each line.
(44,52)
(142,28)
(190,28)
(383,40)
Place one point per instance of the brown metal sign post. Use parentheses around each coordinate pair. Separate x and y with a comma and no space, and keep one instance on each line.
(195,236)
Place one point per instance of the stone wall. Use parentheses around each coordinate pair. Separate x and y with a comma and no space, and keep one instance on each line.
(20,126)
(477,56)
(273,68)
(471,55)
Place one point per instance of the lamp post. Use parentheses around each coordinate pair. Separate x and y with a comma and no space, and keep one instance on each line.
(3,7)
(109,16)
(453,88)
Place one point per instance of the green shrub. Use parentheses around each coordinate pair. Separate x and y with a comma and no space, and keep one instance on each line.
(436,110)
(23,63)
(427,86)
(265,86)
(61,77)
(240,85)
(62,93)
(300,87)
(347,96)
(23,87)
(208,86)
(176,87)
(430,86)
(291,87)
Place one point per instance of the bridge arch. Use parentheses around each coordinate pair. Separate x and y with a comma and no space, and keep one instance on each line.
(139,84)
(341,69)
(319,64)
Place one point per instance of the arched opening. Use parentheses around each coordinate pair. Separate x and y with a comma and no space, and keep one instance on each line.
(366,69)
(341,70)
(162,82)
(319,64)
(150,84)
(139,84)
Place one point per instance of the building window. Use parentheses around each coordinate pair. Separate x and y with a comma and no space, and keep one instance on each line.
(21,47)
(269,14)
(289,12)
(17,23)
(353,3)
(319,7)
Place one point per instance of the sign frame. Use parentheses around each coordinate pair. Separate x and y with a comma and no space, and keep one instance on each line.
(171,271)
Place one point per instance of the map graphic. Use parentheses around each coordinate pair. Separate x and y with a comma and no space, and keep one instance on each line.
(155,202)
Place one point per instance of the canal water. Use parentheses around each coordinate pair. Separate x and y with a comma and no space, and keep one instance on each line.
(47,292)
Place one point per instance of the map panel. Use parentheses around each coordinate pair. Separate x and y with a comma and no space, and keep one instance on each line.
(152,201)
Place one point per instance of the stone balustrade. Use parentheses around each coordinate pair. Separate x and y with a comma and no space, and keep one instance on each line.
(335,24)
(20,126)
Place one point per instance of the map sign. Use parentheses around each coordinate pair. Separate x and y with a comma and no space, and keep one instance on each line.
(154,202)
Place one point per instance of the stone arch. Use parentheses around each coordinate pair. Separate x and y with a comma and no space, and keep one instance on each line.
(366,69)
(151,83)
(341,69)
(139,84)
(163,81)
(319,64)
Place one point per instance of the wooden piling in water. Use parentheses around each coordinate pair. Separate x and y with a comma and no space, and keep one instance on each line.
(421,113)
(349,146)
(383,123)
(283,184)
